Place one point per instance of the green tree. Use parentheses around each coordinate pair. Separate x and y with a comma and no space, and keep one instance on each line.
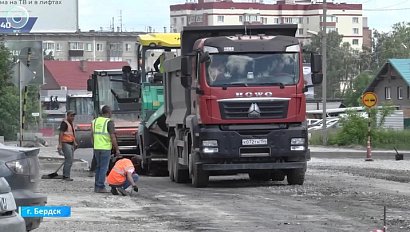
(343,63)
(9,101)
(353,94)
(393,44)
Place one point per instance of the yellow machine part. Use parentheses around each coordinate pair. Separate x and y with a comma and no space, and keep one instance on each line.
(171,40)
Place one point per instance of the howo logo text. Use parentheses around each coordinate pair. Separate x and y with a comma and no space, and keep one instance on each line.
(255,94)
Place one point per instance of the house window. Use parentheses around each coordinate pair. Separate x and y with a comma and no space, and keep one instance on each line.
(276,20)
(355,31)
(251,18)
(127,47)
(115,47)
(399,93)
(301,31)
(330,29)
(288,20)
(355,42)
(198,18)
(48,45)
(264,20)
(58,47)
(99,47)
(76,46)
(191,19)
(175,20)
(387,95)
(88,47)
(182,21)
(307,20)
(221,18)
(300,20)
(355,20)
(408,92)
(240,18)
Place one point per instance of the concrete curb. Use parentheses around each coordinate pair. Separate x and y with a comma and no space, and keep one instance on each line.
(336,152)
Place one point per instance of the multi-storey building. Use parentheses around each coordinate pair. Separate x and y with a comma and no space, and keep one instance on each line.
(91,46)
(346,19)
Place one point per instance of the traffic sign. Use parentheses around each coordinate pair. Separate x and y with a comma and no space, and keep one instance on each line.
(369,99)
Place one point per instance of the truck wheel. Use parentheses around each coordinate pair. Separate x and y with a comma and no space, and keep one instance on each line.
(199,177)
(180,175)
(277,175)
(296,176)
(145,163)
(260,175)
(171,152)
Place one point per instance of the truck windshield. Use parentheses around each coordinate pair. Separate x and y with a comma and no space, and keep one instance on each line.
(253,69)
(120,97)
(81,105)
(152,60)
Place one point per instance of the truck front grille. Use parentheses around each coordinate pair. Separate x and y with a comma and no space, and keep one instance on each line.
(257,109)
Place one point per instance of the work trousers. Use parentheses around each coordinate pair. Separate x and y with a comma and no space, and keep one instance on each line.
(102,158)
(126,183)
(68,151)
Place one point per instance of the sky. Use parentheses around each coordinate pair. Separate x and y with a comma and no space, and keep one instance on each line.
(137,15)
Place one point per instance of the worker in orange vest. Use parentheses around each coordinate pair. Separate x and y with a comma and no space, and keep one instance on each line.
(67,143)
(121,176)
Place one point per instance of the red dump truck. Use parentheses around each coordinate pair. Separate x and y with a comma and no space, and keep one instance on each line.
(235,103)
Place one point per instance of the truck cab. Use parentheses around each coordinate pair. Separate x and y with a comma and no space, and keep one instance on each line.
(235,103)
(119,89)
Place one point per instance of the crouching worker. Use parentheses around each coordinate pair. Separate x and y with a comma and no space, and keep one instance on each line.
(122,176)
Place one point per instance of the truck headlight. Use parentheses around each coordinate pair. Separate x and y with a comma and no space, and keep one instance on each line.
(297,141)
(210,143)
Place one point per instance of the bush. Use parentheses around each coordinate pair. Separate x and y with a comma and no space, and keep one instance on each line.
(354,131)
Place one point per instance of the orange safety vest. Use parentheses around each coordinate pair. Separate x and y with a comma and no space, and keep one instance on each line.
(118,173)
(68,135)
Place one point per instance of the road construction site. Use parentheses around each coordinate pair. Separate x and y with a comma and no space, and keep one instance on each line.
(339,194)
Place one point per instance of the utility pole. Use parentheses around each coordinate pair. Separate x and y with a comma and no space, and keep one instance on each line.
(324,67)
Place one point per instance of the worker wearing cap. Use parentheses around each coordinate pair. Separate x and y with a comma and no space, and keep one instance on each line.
(67,143)
(122,176)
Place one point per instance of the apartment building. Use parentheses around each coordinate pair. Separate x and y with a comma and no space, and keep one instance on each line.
(346,19)
(91,46)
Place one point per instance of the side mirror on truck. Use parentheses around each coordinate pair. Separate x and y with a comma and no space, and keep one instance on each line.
(316,63)
(316,68)
(186,80)
(90,85)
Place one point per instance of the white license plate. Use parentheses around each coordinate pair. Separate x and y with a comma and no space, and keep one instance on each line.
(246,142)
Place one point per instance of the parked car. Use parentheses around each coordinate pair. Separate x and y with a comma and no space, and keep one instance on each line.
(10,220)
(21,168)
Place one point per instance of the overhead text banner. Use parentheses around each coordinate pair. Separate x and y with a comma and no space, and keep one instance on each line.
(35,16)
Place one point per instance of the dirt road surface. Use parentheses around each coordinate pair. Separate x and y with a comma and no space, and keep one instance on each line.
(338,195)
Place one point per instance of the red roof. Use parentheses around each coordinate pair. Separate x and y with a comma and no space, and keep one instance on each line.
(70,73)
